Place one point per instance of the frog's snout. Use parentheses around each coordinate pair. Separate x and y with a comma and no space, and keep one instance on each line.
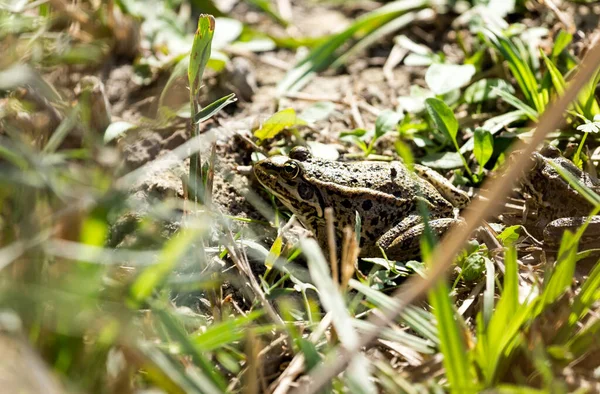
(264,167)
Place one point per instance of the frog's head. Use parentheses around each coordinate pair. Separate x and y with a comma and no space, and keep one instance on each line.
(286,178)
(543,178)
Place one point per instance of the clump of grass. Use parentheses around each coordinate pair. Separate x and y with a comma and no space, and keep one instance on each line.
(118,294)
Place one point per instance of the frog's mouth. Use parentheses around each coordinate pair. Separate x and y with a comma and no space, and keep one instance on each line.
(267,174)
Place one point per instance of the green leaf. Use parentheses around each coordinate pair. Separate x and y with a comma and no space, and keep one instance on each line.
(517,103)
(510,235)
(386,121)
(560,43)
(280,121)
(483,90)
(318,111)
(444,78)
(443,160)
(177,74)
(520,69)
(200,52)
(214,107)
(484,146)
(117,129)
(443,117)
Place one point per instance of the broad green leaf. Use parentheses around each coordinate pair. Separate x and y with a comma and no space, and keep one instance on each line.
(443,117)
(200,52)
(484,146)
(117,129)
(443,160)
(214,107)
(280,121)
(510,235)
(386,121)
(179,71)
(318,111)
(444,78)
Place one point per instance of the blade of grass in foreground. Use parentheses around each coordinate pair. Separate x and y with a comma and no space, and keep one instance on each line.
(358,377)
(452,343)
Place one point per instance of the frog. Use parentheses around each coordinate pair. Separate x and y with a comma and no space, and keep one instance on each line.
(384,195)
(557,205)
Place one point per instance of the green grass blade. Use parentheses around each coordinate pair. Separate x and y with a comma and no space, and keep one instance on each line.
(173,251)
(417,319)
(517,103)
(330,51)
(452,342)
(200,52)
(358,376)
(211,109)
(212,382)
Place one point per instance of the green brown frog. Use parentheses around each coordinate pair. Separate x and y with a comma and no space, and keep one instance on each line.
(559,207)
(383,194)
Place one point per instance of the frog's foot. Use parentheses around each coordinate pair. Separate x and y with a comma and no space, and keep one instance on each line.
(590,239)
(407,244)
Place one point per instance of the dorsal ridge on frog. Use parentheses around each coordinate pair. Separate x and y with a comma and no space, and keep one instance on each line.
(384,194)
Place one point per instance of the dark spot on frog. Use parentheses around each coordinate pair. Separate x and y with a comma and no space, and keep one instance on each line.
(347,204)
(375,221)
(393,172)
(367,205)
(305,191)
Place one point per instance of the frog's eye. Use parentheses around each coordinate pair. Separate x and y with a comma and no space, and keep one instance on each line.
(291,170)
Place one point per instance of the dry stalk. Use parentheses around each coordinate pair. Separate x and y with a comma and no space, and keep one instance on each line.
(496,191)
(331,244)
(349,256)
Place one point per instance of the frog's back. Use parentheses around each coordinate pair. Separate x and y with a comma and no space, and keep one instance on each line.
(391,178)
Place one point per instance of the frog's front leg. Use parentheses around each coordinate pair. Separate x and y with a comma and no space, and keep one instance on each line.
(403,242)
(454,195)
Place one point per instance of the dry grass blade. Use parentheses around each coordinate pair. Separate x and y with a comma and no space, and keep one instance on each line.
(497,191)
(331,243)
